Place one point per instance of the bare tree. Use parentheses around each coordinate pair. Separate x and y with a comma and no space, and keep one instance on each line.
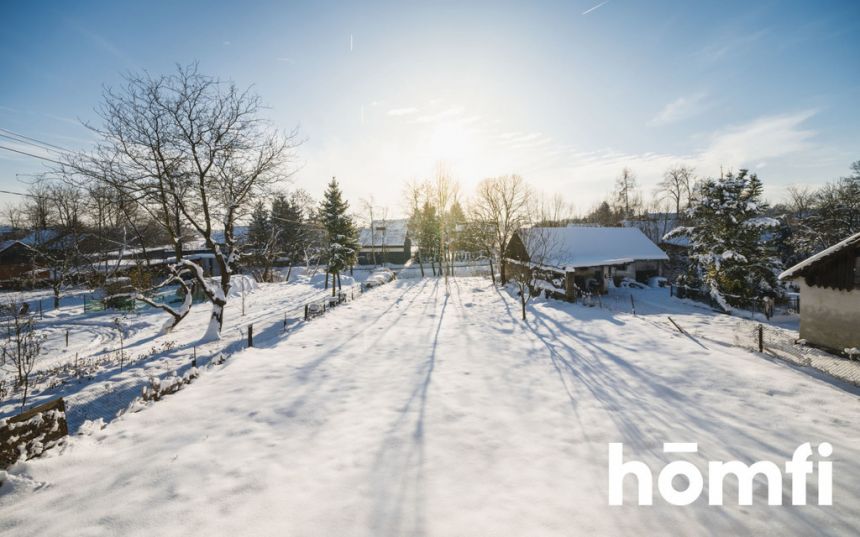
(554,211)
(676,186)
(21,345)
(627,195)
(443,193)
(14,215)
(502,205)
(539,245)
(190,150)
(367,205)
(416,194)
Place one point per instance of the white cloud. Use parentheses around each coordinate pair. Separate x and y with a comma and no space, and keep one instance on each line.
(763,138)
(681,108)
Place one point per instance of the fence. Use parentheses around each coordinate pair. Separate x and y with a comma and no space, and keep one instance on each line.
(462,270)
(763,338)
(790,303)
(129,304)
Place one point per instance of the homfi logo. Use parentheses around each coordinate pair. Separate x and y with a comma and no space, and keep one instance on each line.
(797,468)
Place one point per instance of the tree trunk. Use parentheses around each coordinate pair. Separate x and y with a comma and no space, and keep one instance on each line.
(326,279)
(333,286)
(523,300)
(289,271)
(492,272)
(339,287)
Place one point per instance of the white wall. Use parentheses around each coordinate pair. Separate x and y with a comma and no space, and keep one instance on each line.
(829,317)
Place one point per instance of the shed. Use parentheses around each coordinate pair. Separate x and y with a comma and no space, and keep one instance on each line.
(587,257)
(829,284)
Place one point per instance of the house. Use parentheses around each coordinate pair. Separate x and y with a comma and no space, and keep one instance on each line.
(577,258)
(16,260)
(829,285)
(388,242)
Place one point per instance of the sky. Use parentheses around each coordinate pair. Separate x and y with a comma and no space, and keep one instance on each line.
(565,94)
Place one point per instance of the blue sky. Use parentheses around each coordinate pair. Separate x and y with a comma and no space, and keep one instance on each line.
(564,93)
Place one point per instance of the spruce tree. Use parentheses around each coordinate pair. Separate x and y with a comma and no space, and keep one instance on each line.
(731,253)
(341,233)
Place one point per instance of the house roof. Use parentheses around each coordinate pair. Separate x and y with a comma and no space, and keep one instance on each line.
(389,232)
(579,247)
(820,257)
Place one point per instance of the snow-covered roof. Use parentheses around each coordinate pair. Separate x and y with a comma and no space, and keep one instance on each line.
(579,247)
(796,270)
(6,244)
(389,232)
(40,236)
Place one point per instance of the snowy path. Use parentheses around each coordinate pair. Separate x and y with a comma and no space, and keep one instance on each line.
(413,412)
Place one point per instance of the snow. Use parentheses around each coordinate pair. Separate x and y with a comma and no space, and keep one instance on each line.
(86,372)
(417,410)
(580,247)
(762,221)
(808,262)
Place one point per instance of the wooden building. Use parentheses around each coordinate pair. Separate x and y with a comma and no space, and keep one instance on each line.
(576,259)
(829,285)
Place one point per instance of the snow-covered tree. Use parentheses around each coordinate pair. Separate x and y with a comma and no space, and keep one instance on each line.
(342,235)
(731,251)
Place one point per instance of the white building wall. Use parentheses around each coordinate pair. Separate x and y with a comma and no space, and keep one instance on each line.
(829,317)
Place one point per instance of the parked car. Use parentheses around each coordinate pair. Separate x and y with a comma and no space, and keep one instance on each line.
(379,277)
(632,284)
(658,281)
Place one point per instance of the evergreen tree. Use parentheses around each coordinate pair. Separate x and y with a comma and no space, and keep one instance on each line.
(289,218)
(342,236)
(260,227)
(731,253)
(262,241)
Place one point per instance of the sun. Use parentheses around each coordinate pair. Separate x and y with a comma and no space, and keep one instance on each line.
(451,141)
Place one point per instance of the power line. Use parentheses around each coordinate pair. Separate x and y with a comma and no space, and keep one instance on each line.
(30,154)
(30,144)
(37,141)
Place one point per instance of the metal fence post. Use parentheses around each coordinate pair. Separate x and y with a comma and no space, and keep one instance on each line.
(250,335)
(760,334)
(306,312)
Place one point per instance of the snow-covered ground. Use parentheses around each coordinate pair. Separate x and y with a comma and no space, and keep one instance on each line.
(416,411)
(105,386)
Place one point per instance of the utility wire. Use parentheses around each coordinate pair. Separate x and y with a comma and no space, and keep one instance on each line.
(30,154)
(46,145)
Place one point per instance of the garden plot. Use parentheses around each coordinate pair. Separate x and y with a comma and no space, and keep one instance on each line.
(422,410)
(112,355)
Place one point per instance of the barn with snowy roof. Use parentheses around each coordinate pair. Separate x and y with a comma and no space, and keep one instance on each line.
(385,241)
(584,258)
(829,285)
